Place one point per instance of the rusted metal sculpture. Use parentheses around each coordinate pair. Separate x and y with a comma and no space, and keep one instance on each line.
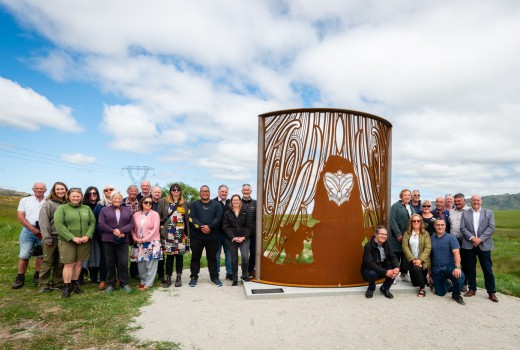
(324,179)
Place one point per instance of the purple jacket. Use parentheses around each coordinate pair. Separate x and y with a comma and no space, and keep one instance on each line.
(107,223)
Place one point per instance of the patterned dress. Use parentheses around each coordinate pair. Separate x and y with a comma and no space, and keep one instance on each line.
(146,251)
(177,241)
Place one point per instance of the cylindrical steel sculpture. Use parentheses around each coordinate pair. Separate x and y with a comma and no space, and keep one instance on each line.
(324,184)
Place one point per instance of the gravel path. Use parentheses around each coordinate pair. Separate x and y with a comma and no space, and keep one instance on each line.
(208,317)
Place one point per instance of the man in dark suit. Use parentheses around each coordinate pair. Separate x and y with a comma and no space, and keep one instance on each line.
(477,226)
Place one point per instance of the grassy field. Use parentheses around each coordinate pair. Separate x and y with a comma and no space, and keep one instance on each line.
(33,320)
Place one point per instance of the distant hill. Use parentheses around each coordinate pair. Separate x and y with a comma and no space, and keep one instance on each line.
(501,202)
(4,192)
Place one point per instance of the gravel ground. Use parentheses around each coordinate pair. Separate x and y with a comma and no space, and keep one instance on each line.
(208,317)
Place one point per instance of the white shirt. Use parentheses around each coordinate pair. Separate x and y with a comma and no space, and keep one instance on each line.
(414,244)
(476,219)
(455,218)
(31,206)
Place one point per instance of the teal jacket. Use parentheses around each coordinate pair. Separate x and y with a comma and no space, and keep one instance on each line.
(74,221)
(398,222)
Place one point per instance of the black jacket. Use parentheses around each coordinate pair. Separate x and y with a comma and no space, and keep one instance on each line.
(250,206)
(372,257)
(234,226)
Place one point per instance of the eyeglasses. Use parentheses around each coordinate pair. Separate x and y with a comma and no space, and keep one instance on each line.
(176,190)
(93,193)
(426,206)
(416,220)
(147,202)
(108,189)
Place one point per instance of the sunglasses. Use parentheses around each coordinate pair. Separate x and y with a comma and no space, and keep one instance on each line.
(91,193)
(75,189)
(176,190)
(416,220)
(108,189)
(147,202)
(426,206)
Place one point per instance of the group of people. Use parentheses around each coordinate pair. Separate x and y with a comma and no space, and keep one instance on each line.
(113,238)
(437,247)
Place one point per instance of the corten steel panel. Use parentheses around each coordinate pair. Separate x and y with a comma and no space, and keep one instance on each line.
(324,179)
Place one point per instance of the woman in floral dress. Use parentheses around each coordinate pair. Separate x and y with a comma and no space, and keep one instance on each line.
(146,249)
(172,211)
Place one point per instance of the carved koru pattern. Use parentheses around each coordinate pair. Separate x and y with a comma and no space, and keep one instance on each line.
(325,183)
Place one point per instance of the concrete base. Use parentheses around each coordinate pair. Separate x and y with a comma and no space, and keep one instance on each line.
(256,290)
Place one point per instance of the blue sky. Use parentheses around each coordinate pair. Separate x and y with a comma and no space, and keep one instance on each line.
(88,88)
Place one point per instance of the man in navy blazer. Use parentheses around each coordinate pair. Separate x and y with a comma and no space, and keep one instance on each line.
(477,226)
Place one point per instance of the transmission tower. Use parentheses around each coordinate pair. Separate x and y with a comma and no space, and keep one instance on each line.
(137,173)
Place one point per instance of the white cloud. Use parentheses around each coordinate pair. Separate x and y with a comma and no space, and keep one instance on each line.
(23,108)
(78,158)
(195,75)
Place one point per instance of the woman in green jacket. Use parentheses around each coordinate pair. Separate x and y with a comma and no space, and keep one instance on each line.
(75,224)
(416,248)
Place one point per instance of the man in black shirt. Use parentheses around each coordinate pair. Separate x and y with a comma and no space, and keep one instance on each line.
(204,216)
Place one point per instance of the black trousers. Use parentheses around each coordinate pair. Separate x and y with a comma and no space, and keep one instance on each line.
(197,245)
(117,258)
(371,276)
(252,253)
(179,261)
(418,276)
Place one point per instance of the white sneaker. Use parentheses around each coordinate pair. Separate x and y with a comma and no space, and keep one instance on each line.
(406,278)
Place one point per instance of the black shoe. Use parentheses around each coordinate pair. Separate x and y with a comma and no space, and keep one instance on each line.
(244,278)
(193,281)
(178,280)
(229,277)
(234,284)
(19,282)
(46,289)
(369,294)
(386,293)
(216,281)
(58,286)
(36,277)
(168,282)
(459,301)
(66,291)
(75,288)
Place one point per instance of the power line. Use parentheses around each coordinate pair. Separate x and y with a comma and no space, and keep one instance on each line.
(11,151)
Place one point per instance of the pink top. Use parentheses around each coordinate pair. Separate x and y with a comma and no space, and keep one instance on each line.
(150,226)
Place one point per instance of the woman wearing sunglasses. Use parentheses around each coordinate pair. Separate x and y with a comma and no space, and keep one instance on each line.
(174,234)
(416,248)
(146,250)
(427,216)
(105,201)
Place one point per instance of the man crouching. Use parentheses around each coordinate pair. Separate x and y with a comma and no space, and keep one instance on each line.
(379,261)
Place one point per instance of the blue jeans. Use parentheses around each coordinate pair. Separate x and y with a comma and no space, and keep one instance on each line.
(227,256)
(27,243)
(469,266)
(244,253)
(440,281)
